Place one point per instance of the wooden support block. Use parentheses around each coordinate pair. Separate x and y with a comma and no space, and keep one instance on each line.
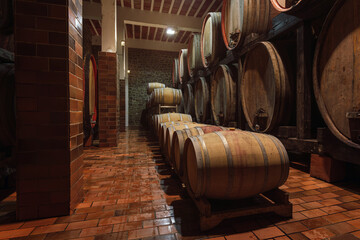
(326,168)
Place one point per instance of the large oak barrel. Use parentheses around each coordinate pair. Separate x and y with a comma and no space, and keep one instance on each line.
(165,125)
(189,99)
(202,100)
(265,89)
(166,96)
(223,94)
(240,18)
(169,117)
(303,8)
(175,72)
(154,85)
(168,133)
(183,68)
(178,142)
(234,164)
(7,104)
(194,62)
(336,72)
(90,98)
(213,48)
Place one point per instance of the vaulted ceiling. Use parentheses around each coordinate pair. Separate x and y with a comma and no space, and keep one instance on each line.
(191,9)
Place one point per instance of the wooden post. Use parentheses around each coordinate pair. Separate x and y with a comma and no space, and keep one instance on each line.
(304,63)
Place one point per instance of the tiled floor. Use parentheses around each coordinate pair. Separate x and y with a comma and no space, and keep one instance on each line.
(131,194)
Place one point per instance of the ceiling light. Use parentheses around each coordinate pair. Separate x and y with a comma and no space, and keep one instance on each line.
(123,43)
(170,31)
(128,71)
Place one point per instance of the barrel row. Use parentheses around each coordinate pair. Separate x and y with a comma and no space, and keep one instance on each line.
(221,163)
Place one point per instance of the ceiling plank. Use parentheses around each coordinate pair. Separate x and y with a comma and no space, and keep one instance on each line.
(208,9)
(132,4)
(171,6)
(152,6)
(92,24)
(161,26)
(200,7)
(181,6)
(191,6)
(122,3)
(142,5)
(161,6)
(219,8)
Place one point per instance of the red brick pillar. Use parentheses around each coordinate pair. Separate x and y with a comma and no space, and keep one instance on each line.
(108,99)
(48,60)
(122,105)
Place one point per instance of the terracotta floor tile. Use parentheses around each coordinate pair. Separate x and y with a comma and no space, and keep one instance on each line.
(355,223)
(328,195)
(297,201)
(156,222)
(293,227)
(11,226)
(127,226)
(141,217)
(38,223)
(15,233)
(102,214)
(164,214)
(341,228)
(353,214)
(298,236)
(96,230)
(84,238)
(63,235)
(242,236)
(82,224)
(83,205)
(333,209)
(356,234)
(169,229)
(330,202)
(319,234)
(315,222)
(49,229)
(282,238)
(269,232)
(314,213)
(142,233)
(350,205)
(311,198)
(89,210)
(71,218)
(347,199)
(312,205)
(335,218)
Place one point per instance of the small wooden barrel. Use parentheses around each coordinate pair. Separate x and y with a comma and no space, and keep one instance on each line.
(202,100)
(223,95)
(175,72)
(7,105)
(154,85)
(168,135)
(303,8)
(336,72)
(183,68)
(169,117)
(178,142)
(213,48)
(194,62)
(166,96)
(234,164)
(265,89)
(240,18)
(189,100)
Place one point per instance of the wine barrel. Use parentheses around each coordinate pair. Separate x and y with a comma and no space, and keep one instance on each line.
(194,62)
(169,117)
(90,98)
(170,133)
(223,95)
(202,100)
(234,164)
(212,47)
(265,89)
(166,96)
(336,75)
(154,85)
(175,72)
(183,68)
(303,8)
(189,100)
(165,125)
(178,142)
(7,104)
(240,18)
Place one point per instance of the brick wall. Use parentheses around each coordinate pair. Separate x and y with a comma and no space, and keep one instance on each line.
(146,66)
(109,99)
(48,59)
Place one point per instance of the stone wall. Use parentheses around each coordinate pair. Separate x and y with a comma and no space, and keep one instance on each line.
(146,66)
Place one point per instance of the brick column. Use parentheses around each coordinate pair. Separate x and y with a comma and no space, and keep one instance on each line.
(122,103)
(108,99)
(48,58)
